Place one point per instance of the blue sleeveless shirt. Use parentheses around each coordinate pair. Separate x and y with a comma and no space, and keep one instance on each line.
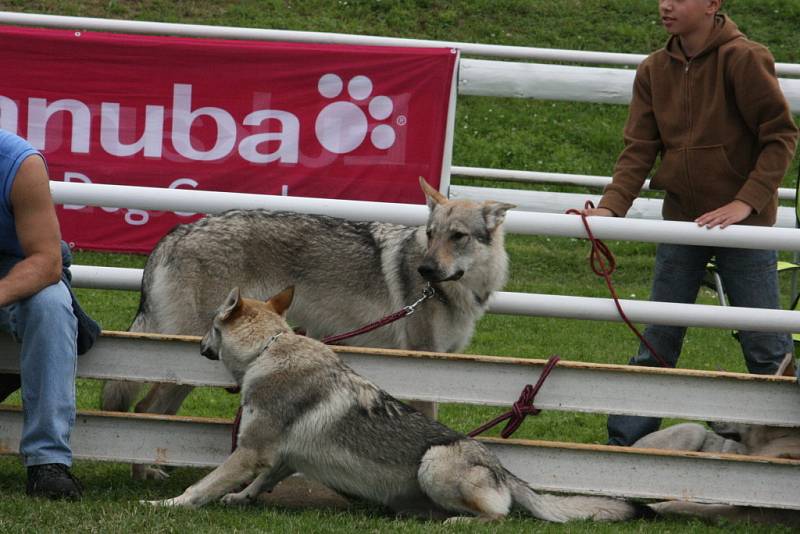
(13,151)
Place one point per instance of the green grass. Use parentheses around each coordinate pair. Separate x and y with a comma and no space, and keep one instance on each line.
(503,133)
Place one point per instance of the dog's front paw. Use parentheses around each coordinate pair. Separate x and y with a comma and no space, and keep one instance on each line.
(459,520)
(242,498)
(170,503)
(148,472)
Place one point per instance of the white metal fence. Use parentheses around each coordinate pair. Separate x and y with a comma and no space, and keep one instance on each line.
(493,381)
(458,378)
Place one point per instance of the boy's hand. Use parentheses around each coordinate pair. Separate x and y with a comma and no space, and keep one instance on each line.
(725,216)
(602,212)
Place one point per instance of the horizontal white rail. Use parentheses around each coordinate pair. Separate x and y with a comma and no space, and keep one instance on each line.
(561,82)
(550,466)
(117,196)
(163,199)
(98,277)
(548,202)
(539,305)
(641,311)
(222,32)
(465,379)
(536,177)
(546,82)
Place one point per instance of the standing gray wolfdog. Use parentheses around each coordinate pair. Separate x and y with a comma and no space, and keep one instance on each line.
(304,410)
(347,274)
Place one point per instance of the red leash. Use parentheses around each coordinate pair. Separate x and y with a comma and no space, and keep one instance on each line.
(600,251)
(427,292)
(522,408)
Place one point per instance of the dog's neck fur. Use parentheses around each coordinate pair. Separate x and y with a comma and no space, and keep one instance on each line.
(239,368)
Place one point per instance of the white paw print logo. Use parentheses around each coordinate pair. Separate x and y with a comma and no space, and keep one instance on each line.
(342,126)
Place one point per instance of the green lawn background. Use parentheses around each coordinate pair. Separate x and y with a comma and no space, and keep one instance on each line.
(563,137)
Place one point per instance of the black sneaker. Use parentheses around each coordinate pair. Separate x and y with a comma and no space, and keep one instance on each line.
(53,481)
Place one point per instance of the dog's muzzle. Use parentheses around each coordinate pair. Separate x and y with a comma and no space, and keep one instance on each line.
(209,353)
(432,274)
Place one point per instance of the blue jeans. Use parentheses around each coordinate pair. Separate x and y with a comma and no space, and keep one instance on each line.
(750,279)
(47,329)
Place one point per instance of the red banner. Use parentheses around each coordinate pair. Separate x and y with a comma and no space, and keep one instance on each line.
(325,121)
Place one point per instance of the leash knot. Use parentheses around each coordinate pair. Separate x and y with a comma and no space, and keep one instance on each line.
(522,408)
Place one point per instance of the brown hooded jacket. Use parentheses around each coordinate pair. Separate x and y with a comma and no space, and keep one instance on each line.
(718,120)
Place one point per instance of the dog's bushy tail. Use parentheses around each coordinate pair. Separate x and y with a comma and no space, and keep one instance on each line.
(561,509)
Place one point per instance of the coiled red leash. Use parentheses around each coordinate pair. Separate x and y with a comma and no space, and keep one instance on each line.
(522,408)
(598,265)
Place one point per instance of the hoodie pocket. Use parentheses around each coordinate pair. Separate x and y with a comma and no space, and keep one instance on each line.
(713,179)
(670,174)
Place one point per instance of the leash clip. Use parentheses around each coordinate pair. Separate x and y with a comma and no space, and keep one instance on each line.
(427,293)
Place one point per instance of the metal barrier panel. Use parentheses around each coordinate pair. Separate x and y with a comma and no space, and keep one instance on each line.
(486,380)
(593,469)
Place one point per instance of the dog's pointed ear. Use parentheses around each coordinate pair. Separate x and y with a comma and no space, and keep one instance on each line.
(494,213)
(432,196)
(231,304)
(281,302)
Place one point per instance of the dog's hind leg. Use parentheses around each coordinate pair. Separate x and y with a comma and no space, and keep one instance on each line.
(161,399)
(466,477)
(689,437)
(683,437)
(266,481)
(118,395)
(240,467)
(475,492)
(164,399)
(458,484)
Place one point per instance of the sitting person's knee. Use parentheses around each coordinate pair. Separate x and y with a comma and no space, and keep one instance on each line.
(52,302)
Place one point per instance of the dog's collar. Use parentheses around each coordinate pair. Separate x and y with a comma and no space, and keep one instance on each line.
(270,341)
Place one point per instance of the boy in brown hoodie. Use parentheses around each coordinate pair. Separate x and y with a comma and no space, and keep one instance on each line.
(710,105)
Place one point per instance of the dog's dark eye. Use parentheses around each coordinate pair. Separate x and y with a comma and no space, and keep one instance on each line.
(458,236)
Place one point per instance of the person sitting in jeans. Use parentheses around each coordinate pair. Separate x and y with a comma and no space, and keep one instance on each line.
(38,309)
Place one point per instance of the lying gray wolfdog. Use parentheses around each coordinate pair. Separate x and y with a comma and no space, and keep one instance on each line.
(730,438)
(347,274)
(304,410)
